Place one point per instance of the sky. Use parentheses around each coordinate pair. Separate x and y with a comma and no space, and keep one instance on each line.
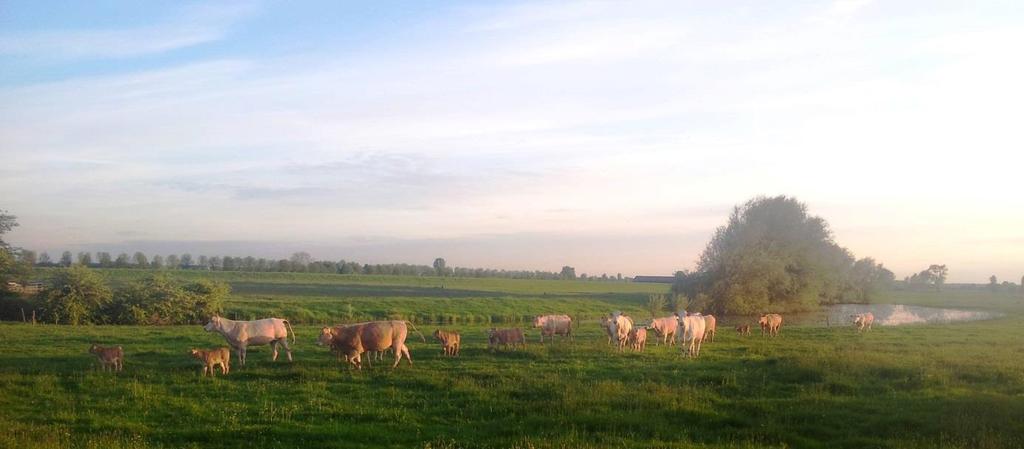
(610,136)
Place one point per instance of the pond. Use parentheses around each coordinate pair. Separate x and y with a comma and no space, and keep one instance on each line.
(886,315)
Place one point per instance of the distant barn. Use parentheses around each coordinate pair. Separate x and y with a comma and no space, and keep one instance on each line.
(655,279)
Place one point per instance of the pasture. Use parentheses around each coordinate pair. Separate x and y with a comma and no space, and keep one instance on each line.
(927,386)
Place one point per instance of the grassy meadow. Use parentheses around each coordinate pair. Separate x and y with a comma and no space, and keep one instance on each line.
(918,386)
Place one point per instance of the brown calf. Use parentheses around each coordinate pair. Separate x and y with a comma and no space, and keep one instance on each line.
(210,358)
(112,356)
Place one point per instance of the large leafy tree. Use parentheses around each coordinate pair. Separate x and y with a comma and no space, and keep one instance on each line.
(770,256)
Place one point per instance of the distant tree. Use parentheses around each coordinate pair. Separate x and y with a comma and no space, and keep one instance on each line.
(66,258)
(204,261)
(186,260)
(104,259)
(77,296)
(172,262)
(27,257)
(300,260)
(993,283)
(568,273)
(44,259)
(656,304)
(216,263)
(937,275)
(440,266)
(618,276)
(140,260)
(122,261)
(7,222)
(85,258)
(158,262)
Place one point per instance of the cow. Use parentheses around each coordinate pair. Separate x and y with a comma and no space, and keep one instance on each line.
(620,327)
(638,338)
(450,342)
(710,327)
(505,337)
(551,325)
(210,358)
(112,357)
(606,324)
(666,328)
(355,339)
(863,321)
(770,324)
(692,327)
(743,329)
(242,334)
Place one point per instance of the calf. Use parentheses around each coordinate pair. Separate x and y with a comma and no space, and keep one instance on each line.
(743,329)
(112,356)
(450,342)
(770,324)
(638,338)
(210,358)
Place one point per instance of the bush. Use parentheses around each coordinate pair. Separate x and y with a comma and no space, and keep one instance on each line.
(78,296)
(158,300)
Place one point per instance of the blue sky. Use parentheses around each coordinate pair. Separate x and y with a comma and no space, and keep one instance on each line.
(613,136)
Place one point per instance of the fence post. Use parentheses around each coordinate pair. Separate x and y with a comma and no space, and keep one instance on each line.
(23,320)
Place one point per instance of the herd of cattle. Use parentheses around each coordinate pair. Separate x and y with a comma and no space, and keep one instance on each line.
(350,341)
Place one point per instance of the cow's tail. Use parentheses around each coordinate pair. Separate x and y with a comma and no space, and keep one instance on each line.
(417,331)
(286,323)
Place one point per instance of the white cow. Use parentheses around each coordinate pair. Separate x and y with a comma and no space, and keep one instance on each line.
(692,333)
(551,325)
(863,321)
(666,328)
(242,334)
(619,328)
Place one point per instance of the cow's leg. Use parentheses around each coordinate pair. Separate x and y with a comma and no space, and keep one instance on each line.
(273,350)
(405,350)
(287,349)
(241,354)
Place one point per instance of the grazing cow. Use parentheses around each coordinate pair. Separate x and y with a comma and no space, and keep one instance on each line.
(620,327)
(692,327)
(770,323)
(551,325)
(210,358)
(743,329)
(355,339)
(638,338)
(242,334)
(710,326)
(505,337)
(863,321)
(112,357)
(450,341)
(666,328)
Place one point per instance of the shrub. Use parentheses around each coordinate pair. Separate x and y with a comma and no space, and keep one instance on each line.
(78,296)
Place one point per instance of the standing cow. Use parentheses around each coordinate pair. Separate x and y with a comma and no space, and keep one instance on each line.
(551,325)
(606,324)
(692,333)
(355,339)
(863,321)
(770,324)
(710,327)
(242,334)
(666,328)
(505,337)
(620,327)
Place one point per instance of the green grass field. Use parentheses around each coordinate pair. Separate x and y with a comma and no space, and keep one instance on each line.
(926,386)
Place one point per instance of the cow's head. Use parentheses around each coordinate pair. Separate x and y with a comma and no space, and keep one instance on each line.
(538,321)
(763,321)
(95,349)
(214,324)
(857,318)
(326,337)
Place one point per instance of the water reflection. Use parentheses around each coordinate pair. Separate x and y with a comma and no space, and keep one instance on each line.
(886,315)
